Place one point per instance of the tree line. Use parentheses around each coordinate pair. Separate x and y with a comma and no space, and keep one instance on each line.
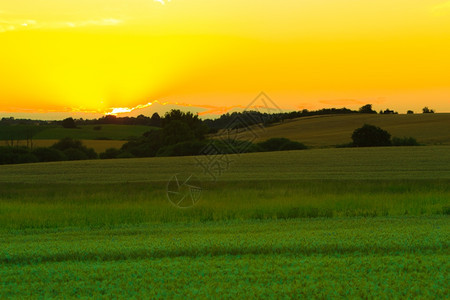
(248,118)
(184,134)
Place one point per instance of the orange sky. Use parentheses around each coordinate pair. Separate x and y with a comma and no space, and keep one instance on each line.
(90,57)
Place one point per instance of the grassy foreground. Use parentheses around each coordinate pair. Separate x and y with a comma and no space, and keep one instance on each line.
(330,223)
(369,258)
(46,206)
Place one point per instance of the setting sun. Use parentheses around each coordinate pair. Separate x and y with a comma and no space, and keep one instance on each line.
(97,56)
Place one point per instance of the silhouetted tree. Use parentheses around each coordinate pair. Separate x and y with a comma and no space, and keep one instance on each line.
(49,154)
(388,112)
(67,144)
(176,132)
(75,154)
(426,110)
(371,136)
(155,120)
(110,153)
(410,112)
(367,109)
(195,124)
(69,123)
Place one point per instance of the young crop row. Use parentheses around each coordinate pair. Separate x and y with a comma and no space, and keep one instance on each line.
(319,236)
(28,206)
(359,257)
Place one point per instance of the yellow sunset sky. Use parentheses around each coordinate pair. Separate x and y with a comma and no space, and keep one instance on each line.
(91,57)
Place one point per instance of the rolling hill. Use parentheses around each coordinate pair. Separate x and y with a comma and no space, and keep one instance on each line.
(315,164)
(316,131)
(330,130)
(102,138)
(84,132)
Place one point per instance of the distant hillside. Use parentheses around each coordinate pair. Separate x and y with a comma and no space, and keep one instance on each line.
(330,130)
(84,132)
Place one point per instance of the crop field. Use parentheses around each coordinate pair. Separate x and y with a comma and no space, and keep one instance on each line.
(331,130)
(324,223)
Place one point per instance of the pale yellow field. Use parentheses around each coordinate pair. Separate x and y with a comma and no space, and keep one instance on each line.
(329,130)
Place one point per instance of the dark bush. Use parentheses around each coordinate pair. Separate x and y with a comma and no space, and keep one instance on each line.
(406,141)
(145,146)
(69,123)
(16,155)
(110,153)
(75,154)
(69,143)
(90,152)
(26,158)
(125,154)
(345,145)
(273,144)
(280,144)
(188,148)
(176,132)
(371,136)
(231,146)
(7,156)
(291,145)
(49,154)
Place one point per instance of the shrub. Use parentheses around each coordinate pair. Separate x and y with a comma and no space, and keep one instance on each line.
(406,141)
(75,154)
(16,155)
(371,136)
(7,155)
(110,153)
(182,149)
(125,154)
(231,146)
(345,145)
(26,158)
(69,123)
(49,154)
(291,145)
(280,144)
(176,132)
(68,143)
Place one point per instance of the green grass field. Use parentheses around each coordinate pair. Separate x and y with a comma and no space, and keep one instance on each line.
(323,223)
(86,132)
(98,145)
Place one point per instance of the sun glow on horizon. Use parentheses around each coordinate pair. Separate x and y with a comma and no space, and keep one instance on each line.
(98,56)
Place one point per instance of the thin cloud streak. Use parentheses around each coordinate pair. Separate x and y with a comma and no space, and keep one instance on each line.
(207,109)
(6,25)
